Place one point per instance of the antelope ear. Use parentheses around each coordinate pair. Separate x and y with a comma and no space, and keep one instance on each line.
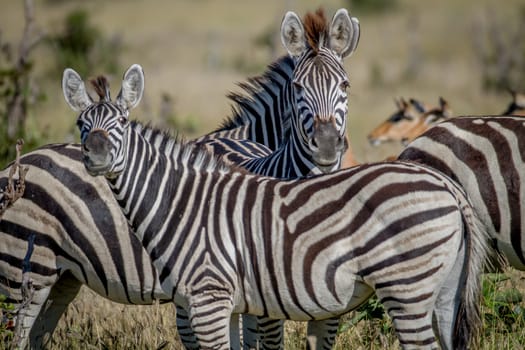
(75,91)
(132,88)
(344,33)
(292,34)
(418,105)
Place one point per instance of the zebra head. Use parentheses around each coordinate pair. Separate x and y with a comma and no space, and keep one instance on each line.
(103,124)
(320,82)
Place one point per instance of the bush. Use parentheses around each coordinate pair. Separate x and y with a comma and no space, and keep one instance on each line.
(83,47)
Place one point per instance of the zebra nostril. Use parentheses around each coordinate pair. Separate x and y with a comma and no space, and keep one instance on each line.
(313,143)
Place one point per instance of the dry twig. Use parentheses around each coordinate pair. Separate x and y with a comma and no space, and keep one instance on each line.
(15,188)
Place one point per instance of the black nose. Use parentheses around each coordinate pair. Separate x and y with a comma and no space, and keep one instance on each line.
(97,142)
(326,138)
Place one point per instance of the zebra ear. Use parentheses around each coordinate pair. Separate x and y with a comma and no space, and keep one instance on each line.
(292,34)
(75,91)
(132,88)
(344,33)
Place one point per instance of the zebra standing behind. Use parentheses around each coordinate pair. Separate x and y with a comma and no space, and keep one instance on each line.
(313,112)
(69,231)
(486,156)
(225,242)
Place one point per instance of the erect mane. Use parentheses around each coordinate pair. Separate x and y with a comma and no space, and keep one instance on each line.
(254,92)
(184,153)
(100,85)
(316,29)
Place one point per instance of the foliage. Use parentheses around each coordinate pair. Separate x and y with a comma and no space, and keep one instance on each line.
(83,47)
(501,304)
(6,321)
(18,94)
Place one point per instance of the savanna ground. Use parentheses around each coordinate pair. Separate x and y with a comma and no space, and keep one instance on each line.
(194,52)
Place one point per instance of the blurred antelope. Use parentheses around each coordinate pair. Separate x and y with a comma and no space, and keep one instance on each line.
(410,120)
(517,106)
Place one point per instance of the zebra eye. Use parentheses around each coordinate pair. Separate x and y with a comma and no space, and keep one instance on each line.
(344,85)
(123,120)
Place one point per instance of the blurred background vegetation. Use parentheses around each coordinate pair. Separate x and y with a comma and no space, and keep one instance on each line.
(194,52)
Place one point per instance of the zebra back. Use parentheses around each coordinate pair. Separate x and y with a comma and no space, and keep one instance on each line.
(485,155)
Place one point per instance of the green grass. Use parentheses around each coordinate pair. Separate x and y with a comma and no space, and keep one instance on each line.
(174,41)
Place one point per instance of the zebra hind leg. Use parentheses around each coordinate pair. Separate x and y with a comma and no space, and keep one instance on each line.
(321,334)
(413,327)
(447,303)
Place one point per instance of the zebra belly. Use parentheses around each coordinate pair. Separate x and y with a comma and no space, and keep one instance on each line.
(321,305)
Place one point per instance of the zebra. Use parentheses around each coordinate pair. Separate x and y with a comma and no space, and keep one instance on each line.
(78,236)
(315,111)
(485,155)
(227,242)
(313,102)
(62,161)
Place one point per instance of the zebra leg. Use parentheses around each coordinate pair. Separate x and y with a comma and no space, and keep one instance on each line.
(250,331)
(447,303)
(61,295)
(413,329)
(184,328)
(321,334)
(210,313)
(270,333)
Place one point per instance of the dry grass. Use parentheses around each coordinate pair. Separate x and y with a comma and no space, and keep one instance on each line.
(173,41)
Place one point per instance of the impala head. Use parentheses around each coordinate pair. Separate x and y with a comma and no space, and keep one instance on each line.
(400,124)
(320,81)
(517,106)
(410,120)
(103,124)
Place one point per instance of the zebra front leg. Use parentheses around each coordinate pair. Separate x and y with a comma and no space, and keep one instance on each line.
(270,333)
(210,313)
(321,334)
(184,328)
(62,294)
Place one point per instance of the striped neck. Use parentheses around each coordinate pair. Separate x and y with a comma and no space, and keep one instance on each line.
(263,110)
(149,184)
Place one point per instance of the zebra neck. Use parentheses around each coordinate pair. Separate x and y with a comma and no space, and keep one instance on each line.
(263,111)
(160,179)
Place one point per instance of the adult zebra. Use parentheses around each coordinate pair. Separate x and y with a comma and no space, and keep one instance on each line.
(402,230)
(312,102)
(316,108)
(486,156)
(61,223)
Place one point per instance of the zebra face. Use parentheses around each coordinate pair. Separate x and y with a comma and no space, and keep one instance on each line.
(320,90)
(102,133)
(320,80)
(103,125)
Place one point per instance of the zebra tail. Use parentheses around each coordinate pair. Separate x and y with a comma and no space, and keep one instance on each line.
(468,322)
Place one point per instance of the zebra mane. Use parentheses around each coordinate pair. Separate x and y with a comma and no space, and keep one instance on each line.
(316,29)
(101,86)
(182,152)
(256,92)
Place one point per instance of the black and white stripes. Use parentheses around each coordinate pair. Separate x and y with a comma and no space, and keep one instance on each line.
(230,242)
(486,156)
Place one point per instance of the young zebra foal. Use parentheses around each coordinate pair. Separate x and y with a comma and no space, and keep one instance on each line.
(225,242)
